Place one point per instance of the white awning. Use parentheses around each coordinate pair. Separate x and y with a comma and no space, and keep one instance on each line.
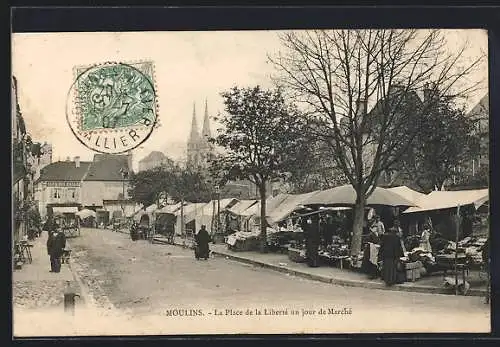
(66,209)
(440,200)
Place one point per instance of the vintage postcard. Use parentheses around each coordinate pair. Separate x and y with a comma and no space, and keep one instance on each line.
(250,182)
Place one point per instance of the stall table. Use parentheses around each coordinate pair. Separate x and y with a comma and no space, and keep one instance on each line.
(446,262)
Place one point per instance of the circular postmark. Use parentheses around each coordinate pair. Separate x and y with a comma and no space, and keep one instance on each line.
(112,107)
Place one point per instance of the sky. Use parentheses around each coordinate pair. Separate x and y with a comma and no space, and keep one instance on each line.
(190,67)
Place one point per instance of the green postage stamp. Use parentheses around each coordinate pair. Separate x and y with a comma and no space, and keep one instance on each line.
(112,107)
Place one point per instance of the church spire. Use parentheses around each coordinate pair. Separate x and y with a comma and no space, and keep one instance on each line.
(206,123)
(194,136)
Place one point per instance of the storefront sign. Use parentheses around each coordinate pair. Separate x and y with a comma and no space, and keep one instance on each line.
(63,184)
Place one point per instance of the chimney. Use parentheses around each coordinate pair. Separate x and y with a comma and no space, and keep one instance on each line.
(77,161)
(361,106)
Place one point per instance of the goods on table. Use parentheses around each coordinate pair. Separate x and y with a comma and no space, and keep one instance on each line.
(282,239)
(243,240)
(419,254)
(473,249)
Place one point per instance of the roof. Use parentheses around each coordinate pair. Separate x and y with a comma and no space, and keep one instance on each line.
(151,208)
(440,200)
(481,109)
(287,206)
(169,208)
(153,156)
(346,196)
(107,167)
(189,211)
(64,171)
(241,206)
(408,100)
(271,203)
(407,193)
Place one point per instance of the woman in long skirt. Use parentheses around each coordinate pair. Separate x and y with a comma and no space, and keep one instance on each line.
(390,253)
(202,238)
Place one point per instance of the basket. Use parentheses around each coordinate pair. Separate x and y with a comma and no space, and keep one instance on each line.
(296,255)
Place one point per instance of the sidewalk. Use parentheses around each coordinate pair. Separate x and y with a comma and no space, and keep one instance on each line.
(35,287)
(280,262)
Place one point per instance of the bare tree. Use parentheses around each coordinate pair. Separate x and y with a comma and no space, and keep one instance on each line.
(337,74)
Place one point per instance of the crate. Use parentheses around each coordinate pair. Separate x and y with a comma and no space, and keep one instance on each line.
(413,265)
(413,274)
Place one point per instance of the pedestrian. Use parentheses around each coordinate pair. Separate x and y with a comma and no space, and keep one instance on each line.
(389,254)
(370,255)
(425,242)
(202,239)
(55,248)
(312,241)
(329,229)
(377,226)
(399,232)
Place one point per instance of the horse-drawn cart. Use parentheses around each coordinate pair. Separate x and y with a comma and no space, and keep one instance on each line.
(141,228)
(69,223)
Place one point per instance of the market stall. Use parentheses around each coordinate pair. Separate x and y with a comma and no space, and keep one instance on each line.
(345,196)
(334,246)
(69,221)
(454,240)
(210,215)
(87,217)
(235,215)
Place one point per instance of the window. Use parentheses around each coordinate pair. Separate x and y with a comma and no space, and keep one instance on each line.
(71,193)
(56,193)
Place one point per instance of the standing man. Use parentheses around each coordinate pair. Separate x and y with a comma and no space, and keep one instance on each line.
(312,240)
(55,247)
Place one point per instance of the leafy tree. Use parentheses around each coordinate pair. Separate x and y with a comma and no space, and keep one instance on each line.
(262,137)
(149,186)
(444,143)
(146,187)
(335,74)
(189,185)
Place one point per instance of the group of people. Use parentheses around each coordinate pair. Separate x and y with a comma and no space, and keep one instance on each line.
(384,248)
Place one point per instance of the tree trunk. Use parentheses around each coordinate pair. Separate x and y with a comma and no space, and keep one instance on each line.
(263,221)
(357,227)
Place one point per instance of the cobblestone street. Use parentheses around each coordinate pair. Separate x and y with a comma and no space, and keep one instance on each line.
(147,281)
(42,294)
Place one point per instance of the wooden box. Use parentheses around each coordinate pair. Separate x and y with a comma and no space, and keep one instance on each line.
(296,255)
(413,265)
(413,274)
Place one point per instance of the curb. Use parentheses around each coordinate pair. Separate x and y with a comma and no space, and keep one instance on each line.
(84,291)
(338,281)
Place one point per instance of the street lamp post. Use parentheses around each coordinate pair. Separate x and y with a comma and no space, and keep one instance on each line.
(124,174)
(217,229)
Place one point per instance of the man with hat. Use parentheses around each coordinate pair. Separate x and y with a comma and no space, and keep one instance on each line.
(55,247)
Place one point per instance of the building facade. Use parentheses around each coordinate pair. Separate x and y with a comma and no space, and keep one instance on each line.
(60,185)
(106,179)
(480,115)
